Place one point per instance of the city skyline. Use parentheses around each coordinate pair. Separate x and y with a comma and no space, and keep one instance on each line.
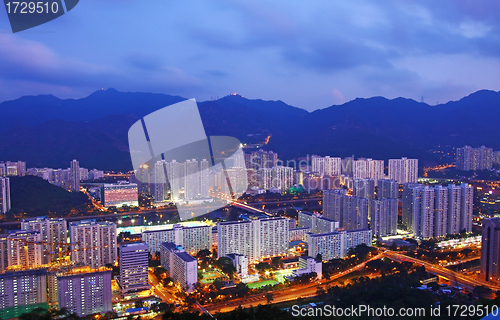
(386,49)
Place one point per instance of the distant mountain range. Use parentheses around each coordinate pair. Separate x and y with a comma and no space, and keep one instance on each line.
(47,131)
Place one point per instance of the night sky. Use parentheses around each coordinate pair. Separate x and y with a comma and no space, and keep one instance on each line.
(310,54)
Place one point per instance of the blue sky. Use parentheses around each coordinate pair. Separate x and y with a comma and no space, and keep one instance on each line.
(310,54)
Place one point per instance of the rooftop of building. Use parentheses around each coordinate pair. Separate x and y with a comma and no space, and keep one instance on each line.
(164,227)
(494,221)
(186,257)
(133,245)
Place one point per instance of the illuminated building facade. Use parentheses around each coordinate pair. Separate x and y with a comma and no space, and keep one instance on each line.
(119,194)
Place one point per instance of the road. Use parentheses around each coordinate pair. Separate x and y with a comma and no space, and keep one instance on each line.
(248,207)
(457,277)
(159,290)
(288,294)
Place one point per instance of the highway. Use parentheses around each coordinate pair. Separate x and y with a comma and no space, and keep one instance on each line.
(288,294)
(104,216)
(457,277)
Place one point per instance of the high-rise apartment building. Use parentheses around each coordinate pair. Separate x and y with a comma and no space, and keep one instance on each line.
(317,223)
(468,158)
(387,189)
(182,267)
(332,203)
(282,178)
(4,253)
(24,249)
(350,211)
(204,174)
(454,205)
(466,206)
(384,217)
(354,213)
(254,239)
(84,292)
(490,249)
(261,159)
(22,291)
(9,168)
(326,166)
(53,232)
(134,267)
(4,195)
(94,243)
(193,239)
(418,210)
(238,237)
(335,245)
(403,170)
(440,211)
(74,176)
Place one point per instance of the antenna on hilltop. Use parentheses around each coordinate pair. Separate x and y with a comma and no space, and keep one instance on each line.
(422,100)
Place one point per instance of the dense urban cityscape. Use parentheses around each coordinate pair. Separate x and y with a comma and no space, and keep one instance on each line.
(249,160)
(115,267)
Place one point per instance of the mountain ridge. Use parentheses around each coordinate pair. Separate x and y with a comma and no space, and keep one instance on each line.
(47,131)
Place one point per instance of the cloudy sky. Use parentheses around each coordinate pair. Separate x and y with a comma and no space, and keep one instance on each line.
(310,54)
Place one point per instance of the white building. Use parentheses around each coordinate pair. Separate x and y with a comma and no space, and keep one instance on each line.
(354,213)
(309,265)
(254,239)
(182,267)
(134,267)
(238,237)
(240,262)
(403,170)
(282,178)
(440,211)
(273,237)
(4,253)
(467,199)
(328,245)
(418,210)
(21,292)
(297,234)
(317,223)
(53,231)
(384,217)
(333,203)
(94,243)
(84,292)
(193,239)
(24,249)
(335,245)
(4,195)
(454,202)
(388,189)
(74,176)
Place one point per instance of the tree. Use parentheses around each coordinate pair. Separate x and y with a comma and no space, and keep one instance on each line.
(320,291)
(277,262)
(241,289)
(203,254)
(269,297)
(262,266)
(226,265)
(319,257)
(481,291)
(218,284)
